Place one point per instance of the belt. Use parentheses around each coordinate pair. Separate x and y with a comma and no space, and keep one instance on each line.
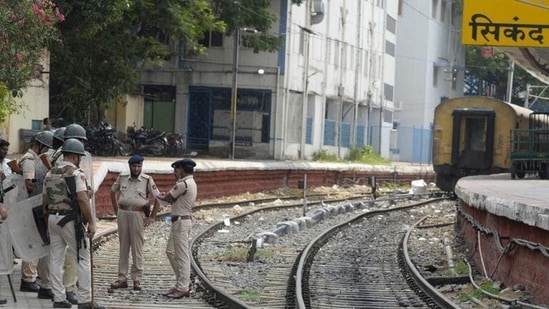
(186,217)
(59,212)
(130,208)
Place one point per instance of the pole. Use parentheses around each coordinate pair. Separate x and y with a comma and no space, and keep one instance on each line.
(305,195)
(527,96)
(91,273)
(305,77)
(511,71)
(234,92)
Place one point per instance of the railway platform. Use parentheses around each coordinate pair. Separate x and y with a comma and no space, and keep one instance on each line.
(505,223)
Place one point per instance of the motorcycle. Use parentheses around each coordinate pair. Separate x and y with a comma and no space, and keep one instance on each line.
(148,141)
(102,140)
(176,145)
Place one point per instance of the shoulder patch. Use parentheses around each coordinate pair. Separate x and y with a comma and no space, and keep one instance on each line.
(175,187)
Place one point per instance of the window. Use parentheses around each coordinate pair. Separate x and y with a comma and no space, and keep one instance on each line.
(212,39)
(443,10)
(435,76)
(302,35)
(391,24)
(388,89)
(336,53)
(343,55)
(389,48)
(36,124)
(434,8)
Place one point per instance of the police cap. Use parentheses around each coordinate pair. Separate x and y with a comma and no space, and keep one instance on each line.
(184,162)
(135,159)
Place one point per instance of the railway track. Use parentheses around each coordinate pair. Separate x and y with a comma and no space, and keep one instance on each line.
(218,255)
(361,263)
(158,275)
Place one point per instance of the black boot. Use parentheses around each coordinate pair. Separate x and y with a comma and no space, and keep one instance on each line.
(29,286)
(45,294)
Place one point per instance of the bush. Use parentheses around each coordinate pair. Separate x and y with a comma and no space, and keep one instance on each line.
(365,154)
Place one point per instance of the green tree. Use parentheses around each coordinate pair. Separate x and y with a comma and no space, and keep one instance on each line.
(27,29)
(105,40)
(494,70)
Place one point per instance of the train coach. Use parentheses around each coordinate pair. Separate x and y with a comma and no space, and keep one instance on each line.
(473,136)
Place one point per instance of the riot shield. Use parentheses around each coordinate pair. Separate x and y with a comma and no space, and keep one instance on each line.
(18,190)
(26,239)
(6,253)
(86,165)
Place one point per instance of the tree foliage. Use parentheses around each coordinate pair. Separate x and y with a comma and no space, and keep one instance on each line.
(27,28)
(494,70)
(104,40)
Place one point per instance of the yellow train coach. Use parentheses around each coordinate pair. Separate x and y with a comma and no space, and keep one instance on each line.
(472,136)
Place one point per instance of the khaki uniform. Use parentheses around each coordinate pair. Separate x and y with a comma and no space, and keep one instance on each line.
(177,249)
(63,237)
(134,193)
(70,276)
(32,168)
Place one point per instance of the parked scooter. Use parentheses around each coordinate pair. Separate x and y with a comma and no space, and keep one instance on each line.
(148,141)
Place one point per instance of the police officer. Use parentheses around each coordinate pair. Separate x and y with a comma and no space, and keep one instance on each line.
(76,131)
(62,228)
(34,170)
(183,197)
(130,196)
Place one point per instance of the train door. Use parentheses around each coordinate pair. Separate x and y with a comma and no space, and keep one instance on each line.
(473,140)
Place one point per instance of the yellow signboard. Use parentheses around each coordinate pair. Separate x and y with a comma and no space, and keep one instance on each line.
(523,23)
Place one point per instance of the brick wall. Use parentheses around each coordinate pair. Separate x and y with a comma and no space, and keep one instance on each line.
(229,182)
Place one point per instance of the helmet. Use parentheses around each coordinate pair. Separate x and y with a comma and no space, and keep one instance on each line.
(45,138)
(135,159)
(59,134)
(75,130)
(72,145)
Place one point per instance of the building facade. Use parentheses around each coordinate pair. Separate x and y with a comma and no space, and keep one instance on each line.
(329,89)
(430,61)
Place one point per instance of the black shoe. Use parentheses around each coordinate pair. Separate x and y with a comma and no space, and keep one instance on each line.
(89,306)
(45,294)
(62,304)
(3,301)
(71,297)
(29,286)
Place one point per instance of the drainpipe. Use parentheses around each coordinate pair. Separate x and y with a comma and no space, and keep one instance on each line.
(357,75)
(305,77)
(370,71)
(382,86)
(277,151)
(341,88)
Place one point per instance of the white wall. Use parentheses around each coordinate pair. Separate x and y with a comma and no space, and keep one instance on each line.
(427,42)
